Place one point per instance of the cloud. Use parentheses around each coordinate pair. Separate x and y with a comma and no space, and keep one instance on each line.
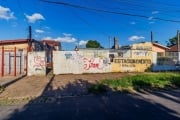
(135,37)
(5,13)
(47,38)
(14,24)
(132,23)
(152,22)
(82,42)
(34,17)
(150,18)
(67,38)
(67,34)
(155,12)
(39,31)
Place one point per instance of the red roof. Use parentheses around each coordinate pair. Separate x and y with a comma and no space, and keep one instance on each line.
(51,43)
(174,48)
(161,46)
(13,41)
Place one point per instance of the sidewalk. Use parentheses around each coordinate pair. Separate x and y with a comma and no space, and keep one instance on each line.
(7,80)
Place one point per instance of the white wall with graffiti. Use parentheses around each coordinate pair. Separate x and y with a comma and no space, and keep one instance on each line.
(82,61)
(36,63)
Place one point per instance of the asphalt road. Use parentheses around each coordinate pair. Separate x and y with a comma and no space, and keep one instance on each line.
(115,106)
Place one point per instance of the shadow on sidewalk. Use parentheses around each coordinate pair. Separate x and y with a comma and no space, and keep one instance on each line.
(73,102)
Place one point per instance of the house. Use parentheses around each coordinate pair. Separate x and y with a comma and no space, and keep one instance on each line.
(159,49)
(174,53)
(54,45)
(49,46)
(22,44)
(13,55)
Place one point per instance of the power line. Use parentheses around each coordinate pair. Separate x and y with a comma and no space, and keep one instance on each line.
(88,23)
(106,11)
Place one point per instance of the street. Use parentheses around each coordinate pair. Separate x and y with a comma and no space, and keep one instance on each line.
(147,105)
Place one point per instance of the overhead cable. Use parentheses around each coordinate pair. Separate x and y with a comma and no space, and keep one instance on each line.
(106,11)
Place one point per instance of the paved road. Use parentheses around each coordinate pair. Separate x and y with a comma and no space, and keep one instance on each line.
(115,106)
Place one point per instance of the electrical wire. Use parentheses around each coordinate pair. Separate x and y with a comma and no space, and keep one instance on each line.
(106,11)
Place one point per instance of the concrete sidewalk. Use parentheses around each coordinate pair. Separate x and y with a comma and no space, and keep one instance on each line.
(7,80)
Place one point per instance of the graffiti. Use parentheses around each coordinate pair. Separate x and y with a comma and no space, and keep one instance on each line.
(39,62)
(93,63)
(141,53)
(68,55)
(136,61)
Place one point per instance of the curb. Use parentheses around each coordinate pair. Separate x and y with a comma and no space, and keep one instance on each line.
(5,84)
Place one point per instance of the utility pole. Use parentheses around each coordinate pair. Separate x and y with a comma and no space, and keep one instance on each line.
(178,43)
(109,42)
(30,32)
(152,37)
(29,38)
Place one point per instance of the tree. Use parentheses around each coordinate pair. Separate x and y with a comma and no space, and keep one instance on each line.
(172,41)
(93,44)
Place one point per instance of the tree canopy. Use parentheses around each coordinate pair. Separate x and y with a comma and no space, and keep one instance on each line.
(93,44)
(172,41)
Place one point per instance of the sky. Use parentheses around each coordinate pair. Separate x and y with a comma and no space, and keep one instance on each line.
(74,22)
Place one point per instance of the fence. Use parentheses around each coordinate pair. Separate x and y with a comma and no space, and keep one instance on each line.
(78,62)
(13,61)
(169,62)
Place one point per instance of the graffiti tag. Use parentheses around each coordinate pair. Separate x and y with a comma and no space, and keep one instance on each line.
(39,62)
(92,63)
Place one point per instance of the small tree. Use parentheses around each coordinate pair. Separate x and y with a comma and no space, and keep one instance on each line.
(173,41)
(93,44)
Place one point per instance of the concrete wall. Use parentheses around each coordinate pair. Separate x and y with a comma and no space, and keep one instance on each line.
(83,61)
(96,61)
(36,63)
(131,65)
(65,62)
(140,60)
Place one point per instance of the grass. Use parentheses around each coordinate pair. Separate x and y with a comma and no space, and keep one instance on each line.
(97,89)
(140,81)
(1,89)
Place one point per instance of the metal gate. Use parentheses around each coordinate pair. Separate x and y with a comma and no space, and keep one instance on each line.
(13,61)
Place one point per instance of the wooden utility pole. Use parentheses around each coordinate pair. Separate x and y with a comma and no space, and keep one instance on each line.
(152,36)
(29,38)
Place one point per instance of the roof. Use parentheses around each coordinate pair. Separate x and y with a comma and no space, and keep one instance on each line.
(159,45)
(15,41)
(51,42)
(173,48)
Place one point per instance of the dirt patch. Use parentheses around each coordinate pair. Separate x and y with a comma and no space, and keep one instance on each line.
(60,85)
(26,87)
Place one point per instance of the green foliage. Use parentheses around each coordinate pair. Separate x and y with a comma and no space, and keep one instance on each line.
(97,89)
(93,44)
(1,89)
(172,41)
(144,81)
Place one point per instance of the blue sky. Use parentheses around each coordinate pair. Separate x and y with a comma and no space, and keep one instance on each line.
(72,25)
